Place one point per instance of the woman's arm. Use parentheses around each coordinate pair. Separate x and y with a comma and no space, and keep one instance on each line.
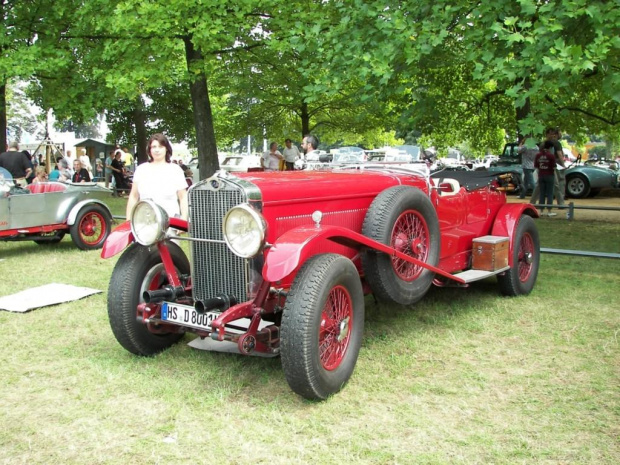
(132,200)
(182,195)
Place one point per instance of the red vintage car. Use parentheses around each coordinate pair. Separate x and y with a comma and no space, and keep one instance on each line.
(294,253)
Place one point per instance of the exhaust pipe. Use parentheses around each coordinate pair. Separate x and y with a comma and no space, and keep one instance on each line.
(165,293)
(221,302)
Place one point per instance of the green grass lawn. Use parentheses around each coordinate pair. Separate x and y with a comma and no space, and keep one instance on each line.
(465,376)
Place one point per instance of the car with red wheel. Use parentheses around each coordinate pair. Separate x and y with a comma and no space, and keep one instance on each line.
(291,255)
(46,211)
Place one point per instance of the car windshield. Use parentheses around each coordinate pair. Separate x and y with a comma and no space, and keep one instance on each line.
(412,150)
(6,181)
(349,157)
(232,161)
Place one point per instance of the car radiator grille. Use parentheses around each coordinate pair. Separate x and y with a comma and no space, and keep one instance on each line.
(215,269)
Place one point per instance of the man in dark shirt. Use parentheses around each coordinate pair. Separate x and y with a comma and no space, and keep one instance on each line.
(15,162)
(545,163)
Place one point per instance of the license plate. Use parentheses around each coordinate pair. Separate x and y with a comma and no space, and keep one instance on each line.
(187,316)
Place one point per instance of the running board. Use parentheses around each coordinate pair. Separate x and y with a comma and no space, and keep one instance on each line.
(470,276)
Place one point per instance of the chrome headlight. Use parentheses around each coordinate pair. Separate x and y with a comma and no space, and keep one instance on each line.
(149,222)
(244,231)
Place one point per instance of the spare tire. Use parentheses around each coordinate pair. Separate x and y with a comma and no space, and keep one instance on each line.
(404,218)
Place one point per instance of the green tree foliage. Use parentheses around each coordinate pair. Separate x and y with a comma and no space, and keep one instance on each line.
(555,62)
(23,25)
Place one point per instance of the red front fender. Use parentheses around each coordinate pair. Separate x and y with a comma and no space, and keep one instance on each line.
(506,221)
(118,240)
(293,248)
(122,236)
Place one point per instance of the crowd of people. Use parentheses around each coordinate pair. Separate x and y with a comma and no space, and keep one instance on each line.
(274,160)
(26,168)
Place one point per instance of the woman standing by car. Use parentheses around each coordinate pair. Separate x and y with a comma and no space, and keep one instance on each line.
(160,180)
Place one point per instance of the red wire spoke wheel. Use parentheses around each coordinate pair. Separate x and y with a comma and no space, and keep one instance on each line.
(322,326)
(91,228)
(335,330)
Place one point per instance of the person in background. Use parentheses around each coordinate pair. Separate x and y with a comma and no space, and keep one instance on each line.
(118,171)
(80,174)
(128,159)
(65,172)
(552,135)
(271,158)
(291,155)
(109,179)
(85,161)
(98,170)
(55,173)
(545,164)
(528,155)
(40,175)
(16,163)
(310,145)
(33,165)
(559,188)
(70,159)
(160,180)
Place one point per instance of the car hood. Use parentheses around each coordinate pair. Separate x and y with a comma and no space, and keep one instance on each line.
(316,185)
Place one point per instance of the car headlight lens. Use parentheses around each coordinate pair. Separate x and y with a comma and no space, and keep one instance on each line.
(244,231)
(149,222)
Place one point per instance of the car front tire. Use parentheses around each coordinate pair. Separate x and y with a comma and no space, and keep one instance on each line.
(322,326)
(577,186)
(140,269)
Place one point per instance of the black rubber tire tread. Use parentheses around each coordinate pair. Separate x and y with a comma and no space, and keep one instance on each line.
(509,282)
(582,194)
(123,298)
(299,339)
(52,240)
(378,224)
(75,227)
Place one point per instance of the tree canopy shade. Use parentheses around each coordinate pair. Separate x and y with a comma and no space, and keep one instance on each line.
(555,61)
(349,70)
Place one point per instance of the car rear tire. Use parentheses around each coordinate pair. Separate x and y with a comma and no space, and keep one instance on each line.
(137,270)
(577,186)
(91,228)
(521,277)
(322,326)
(404,218)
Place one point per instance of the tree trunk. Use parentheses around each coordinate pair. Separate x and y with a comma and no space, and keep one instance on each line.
(524,111)
(139,121)
(3,122)
(305,120)
(203,117)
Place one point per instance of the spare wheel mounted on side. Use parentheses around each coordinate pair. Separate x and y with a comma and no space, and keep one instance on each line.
(403,218)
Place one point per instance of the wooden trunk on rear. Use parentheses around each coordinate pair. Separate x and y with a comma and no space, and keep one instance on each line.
(490,253)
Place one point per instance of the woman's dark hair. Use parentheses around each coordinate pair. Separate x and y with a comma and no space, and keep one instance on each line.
(548,145)
(163,140)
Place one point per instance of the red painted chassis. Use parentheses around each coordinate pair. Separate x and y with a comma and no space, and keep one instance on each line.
(292,249)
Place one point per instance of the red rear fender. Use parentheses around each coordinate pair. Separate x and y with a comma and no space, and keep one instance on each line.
(507,219)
